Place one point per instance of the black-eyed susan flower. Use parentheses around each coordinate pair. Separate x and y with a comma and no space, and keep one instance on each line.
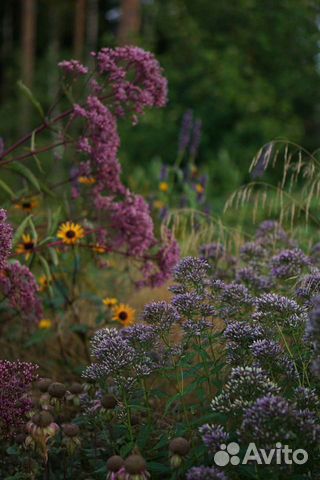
(110,302)
(45,324)
(87,180)
(124,315)
(27,205)
(44,282)
(98,248)
(70,233)
(163,187)
(158,204)
(199,188)
(26,247)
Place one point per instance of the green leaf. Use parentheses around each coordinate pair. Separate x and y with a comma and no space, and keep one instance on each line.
(45,266)
(7,189)
(26,173)
(29,95)
(21,229)
(54,256)
(39,336)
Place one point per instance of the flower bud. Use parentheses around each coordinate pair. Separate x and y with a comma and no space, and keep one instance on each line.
(71,429)
(108,402)
(114,463)
(135,464)
(43,384)
(57,390)
(76,388)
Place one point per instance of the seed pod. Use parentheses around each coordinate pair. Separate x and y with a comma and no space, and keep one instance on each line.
(57,390)
(180,446)
(71,430)
(76,388)
(20,438)
(43,384)
(43,419)
(114,463)
(135,464)
(109,401)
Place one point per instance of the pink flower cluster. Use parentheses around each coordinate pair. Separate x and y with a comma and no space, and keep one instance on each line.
(15,380)
(5,239)
(147,89)
(136,82)
(73,67)
(17,283)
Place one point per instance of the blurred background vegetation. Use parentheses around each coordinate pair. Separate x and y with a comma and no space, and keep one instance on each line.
(249,69)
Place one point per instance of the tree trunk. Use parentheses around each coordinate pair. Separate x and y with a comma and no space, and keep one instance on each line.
(92,25)
(29,24)
(130,22)
(79,29)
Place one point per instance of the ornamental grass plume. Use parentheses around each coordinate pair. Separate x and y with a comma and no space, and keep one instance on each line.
(15,380)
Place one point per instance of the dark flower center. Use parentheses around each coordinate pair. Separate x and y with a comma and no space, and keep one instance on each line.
(70,234)
(26,205)
(123,316)
(28,245)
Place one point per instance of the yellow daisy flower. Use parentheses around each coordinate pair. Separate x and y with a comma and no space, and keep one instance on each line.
(124,315)
(110,302)
(158,204)
(27,204)
(87,180)
(26,247)
(199,188)
(98,248)
(44,282)
(70,233)
(45,324)
(163,187)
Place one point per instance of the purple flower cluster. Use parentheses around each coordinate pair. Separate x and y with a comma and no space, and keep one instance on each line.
(272,308)
(20,288)
(192,272)
(161,314)
(213,436)
(313,333)
(73,67)
(244,386)
(6,233)
(15,380)
(121,357)
(289,263)
(273,419)
(149,87)
(205,473)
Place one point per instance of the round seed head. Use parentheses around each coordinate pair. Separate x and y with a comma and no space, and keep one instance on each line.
(135,464)
(76,388)
(71,430)
(57,390)
(114,463)
(109,401)
(179,446)
(43,384)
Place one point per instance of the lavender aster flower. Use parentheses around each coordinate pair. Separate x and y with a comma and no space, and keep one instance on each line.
(276,308)
(161,314)
(289,263)
(244,386)
(251,279)
(253,252)
(309,285)
(272,419)
(187,304)
(270,356)
(213,436)
(239,336)
(192,272)
(205,473)
(313,333)
(212,251)
(306,399)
